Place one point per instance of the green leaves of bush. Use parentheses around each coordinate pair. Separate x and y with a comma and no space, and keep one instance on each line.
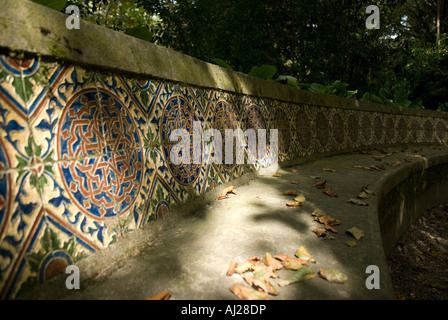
(337,88)
(57,5)
(399,98)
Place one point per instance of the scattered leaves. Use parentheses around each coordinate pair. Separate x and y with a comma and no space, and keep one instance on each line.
(351,243)
(294,204)
(321,184)
(245,293)
(356,233)
(396,164)
(329,192)
(363,195)
(321,233)
(232,267)
(303,254)
(272,262)
(302,274)
(226,191)
(332,275)
(292,263)
(300,198)
(318,213)
(358,202)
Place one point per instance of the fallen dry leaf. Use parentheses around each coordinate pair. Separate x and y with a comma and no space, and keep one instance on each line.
(366,152)
(329,192)
(396,164)
(226,191)
(363,167)
(315,177)
(294,182)
(277,175)
(293,263)
(332,275)
(321,184)
(303,254)
(351,243)
(358,202)
(293,170)
(318,213)
(294,204)
(290,193)
(232,267)
(363,195)
(329,170)
(321,233)
(300,198)
(379,158)
(244,267)
(302,274)
(356,233)
(245,293)
(165,295)
(327,220)
(272,262)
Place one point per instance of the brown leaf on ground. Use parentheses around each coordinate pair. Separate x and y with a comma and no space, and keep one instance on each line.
(329,170)
(318,213)
(321,184)
(245,293)
(272,262)
(378,167)
(277,175)
(321,233)
(226,191)
(165,295)
(356,233)
(302,274)
(327,220)
(303,254)
(358,202)
(396,164)
(293,170)
(249,278)
(300,198)
(363,167)
(332,275)
(366,152)
(294,204)
(244,267)
(290,193)
(329,192)
(232,267)
(378,158)
(363,195)
(294,182)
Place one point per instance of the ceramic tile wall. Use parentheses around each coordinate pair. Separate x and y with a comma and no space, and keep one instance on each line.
(84,156)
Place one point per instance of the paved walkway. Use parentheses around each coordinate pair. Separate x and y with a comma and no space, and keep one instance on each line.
(190,255)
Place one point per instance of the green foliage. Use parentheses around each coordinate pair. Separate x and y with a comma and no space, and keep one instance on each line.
(265,72)
(399,98)
(337,88)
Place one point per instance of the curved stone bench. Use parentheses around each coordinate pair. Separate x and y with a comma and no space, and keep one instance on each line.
(191,260)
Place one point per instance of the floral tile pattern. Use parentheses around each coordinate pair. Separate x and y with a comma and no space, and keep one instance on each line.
(85,156)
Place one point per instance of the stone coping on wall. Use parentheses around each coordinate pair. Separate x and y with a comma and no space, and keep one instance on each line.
(32,28)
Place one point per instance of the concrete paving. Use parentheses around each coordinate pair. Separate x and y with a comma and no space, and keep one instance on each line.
(189,251)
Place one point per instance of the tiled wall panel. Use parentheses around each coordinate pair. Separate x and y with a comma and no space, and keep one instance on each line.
(82,151)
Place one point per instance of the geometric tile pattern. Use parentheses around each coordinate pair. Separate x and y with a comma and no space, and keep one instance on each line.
(84,155)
